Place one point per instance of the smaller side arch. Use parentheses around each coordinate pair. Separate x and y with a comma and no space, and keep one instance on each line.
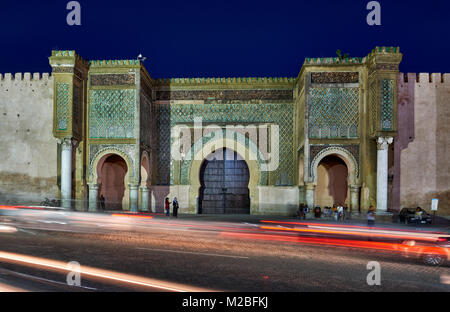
(342,153)
(100,158)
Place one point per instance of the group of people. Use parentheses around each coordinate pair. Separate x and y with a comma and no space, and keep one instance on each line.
(175,207)
(338,212)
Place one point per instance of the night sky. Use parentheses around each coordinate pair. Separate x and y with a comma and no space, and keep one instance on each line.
(223,38)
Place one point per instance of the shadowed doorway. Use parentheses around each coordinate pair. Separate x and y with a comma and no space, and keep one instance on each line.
(112,176)
(332,173)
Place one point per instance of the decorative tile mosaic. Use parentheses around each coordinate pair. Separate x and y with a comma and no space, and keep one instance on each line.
(63,69)
(146,117)
(77,109)
(335,77)
(226,96)
(112,113)
(333,112)
(127,149)
(187,163)
(387,67)
(62,105)
(280,114)
(373,108)
(112,79)
(387,104)
(353,149)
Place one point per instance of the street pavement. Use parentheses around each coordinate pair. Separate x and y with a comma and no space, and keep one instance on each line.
(218,253)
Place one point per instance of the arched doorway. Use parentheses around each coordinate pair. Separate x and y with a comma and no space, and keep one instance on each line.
(224,179)
(332,184)
(112,170)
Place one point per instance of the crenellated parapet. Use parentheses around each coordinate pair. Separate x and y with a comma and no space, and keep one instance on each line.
(114,63)
(25,77)
(333,60)
(35,84)
(437,79)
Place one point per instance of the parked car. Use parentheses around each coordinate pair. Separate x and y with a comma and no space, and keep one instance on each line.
(408,215)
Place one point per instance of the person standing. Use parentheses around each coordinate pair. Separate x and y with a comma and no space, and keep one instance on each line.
(301,211)
(345,212)
(167,206)
(418,215)
(340,212)
(102,202)
(317,212)
(175,207)
(335,212)
(371,216)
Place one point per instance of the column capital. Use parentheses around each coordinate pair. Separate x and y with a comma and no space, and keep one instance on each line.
(383,142)
(133,186)
(310,186)
(67,143)
(354,188)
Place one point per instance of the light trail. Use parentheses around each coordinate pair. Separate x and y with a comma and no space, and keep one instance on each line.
(324,230)
(7,229)
(131,215)
(8,288)
(351,226)
(99,273)
(341,243)
(445,279)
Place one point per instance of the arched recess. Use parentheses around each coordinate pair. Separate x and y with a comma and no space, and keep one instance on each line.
(342,153)
(332,182)
(250,157)
(96,165)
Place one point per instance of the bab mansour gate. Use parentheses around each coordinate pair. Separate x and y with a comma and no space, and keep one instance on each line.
(116,129)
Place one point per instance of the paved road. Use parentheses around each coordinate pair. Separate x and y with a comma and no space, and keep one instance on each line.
(208,255)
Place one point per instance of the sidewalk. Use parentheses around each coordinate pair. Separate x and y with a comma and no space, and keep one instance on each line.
(356,219)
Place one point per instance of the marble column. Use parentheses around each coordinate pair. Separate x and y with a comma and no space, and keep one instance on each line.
(309,194)
(144,199)
(66,173)
(354,198)
(134,197)
(93,197)
(382,172)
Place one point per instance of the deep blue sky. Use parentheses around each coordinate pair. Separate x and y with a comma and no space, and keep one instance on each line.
(223,38)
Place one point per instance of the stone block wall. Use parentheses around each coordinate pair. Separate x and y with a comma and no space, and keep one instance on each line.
(28,166)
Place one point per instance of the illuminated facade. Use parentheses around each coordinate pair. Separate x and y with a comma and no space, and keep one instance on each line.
(336,112)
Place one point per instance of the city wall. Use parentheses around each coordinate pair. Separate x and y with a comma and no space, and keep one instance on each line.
(28,166)
(422,147)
